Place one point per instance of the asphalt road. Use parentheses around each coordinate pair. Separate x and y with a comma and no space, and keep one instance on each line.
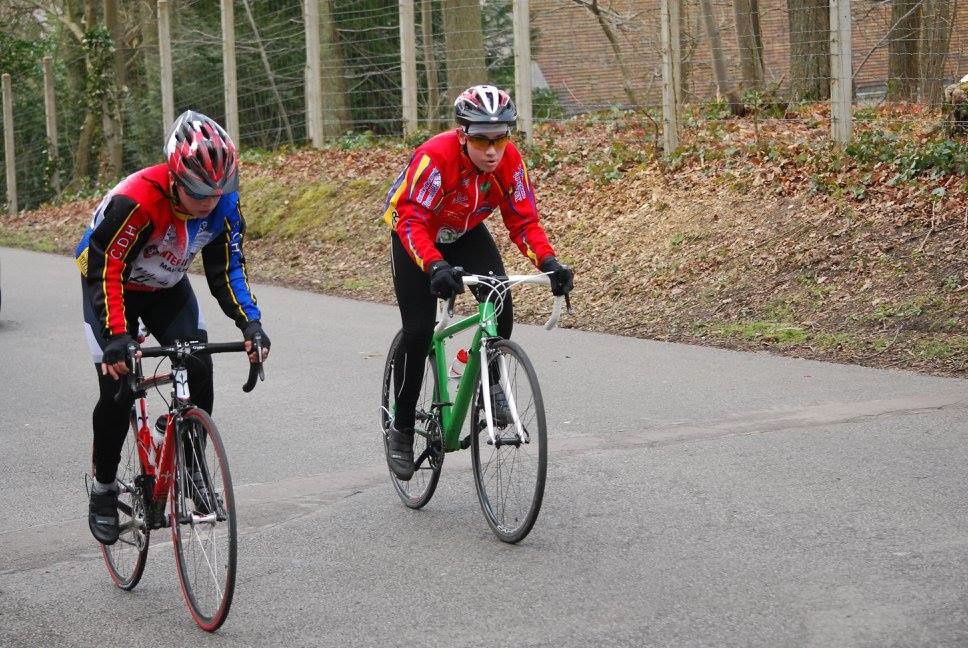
(696,497)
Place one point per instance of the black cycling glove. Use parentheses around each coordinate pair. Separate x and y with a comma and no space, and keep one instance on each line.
(253,327)
(116,350)
(445,282)
(562,277)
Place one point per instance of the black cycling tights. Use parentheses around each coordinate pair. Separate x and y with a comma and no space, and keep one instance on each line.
(170,315)
(477,253)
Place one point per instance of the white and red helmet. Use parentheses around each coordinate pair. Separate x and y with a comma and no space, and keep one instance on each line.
(201,155)
(485,108)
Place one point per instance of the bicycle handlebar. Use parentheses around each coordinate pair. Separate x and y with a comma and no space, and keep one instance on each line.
(181,350)
(562,302)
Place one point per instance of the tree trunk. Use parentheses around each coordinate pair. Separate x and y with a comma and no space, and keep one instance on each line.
(116,27)
(464,44)
(809,49)
(430,63)
(723,87)
(72,55)
(627,81)
(335,109)
(688,37)
(902,50)
(750,41)
(938,17)
(111,120)
(149,115)
(83,152)
(270,76)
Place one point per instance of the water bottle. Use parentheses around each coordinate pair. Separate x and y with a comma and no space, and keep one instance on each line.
(457,366)
(158,434)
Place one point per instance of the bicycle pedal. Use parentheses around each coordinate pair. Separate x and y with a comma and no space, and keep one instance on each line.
(465,443)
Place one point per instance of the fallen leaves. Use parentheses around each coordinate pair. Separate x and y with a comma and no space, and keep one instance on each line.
(713,249)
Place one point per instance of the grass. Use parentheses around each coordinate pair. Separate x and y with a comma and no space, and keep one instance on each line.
(941,347)
(28,241)
(780,333)
(316,209)
(729,249)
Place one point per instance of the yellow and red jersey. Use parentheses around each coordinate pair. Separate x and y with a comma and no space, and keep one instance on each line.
(139,240)
(441,195)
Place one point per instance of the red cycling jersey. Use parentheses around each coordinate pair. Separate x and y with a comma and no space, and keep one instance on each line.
(139,240)
(441,195)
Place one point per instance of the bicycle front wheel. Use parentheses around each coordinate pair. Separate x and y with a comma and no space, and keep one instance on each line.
(509,471)
(428,447)
(126,558)
(203,524)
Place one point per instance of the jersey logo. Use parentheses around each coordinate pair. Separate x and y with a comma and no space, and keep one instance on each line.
(519,191)
(81,262)
(447,235)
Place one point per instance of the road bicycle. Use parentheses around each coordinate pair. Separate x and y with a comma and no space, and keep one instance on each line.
(509,453)
(181,464)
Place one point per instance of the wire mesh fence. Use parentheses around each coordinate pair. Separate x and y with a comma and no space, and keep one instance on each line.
(599,55)
(587,55)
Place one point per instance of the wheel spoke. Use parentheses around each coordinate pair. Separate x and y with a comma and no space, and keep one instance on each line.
(125,559)
(510,474)
(428,445)
(206,541)
(210,563)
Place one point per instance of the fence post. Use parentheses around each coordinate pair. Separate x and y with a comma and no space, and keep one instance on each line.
(523,85)
(228,70)
(670,75)
(314,74)
(408,66)
(841,77)
(50,110)
(164,51)
(8,152)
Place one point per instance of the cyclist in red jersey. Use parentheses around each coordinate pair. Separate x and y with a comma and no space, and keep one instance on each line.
(133,259)
(436,211)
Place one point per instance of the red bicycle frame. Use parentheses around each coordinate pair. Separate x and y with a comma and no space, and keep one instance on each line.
(157,459)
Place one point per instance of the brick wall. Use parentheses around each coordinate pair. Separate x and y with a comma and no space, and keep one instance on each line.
(579,62)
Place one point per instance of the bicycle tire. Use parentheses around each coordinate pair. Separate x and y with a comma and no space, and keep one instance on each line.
(513,467)
(126,558)
(428,441)
(203,520)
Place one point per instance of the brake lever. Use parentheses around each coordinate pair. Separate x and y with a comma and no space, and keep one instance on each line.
(256,370)
(129,380)
(458,270)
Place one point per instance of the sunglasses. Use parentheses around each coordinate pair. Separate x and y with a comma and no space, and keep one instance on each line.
(191,194)
(482,142)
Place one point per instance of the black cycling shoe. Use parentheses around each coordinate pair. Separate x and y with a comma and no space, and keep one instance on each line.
(400,453)
(102,516)
(500,409)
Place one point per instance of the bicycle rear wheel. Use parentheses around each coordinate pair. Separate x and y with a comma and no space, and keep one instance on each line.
(428,447)
(126,558)
(510,474)
(203,523)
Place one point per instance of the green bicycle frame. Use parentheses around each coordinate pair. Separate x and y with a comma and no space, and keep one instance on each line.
(454,411)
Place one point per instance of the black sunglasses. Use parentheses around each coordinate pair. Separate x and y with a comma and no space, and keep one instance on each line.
(191,194)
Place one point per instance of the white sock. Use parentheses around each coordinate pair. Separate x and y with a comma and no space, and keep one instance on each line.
(100,488)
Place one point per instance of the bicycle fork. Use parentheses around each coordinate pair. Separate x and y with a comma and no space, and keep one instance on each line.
(522,435)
